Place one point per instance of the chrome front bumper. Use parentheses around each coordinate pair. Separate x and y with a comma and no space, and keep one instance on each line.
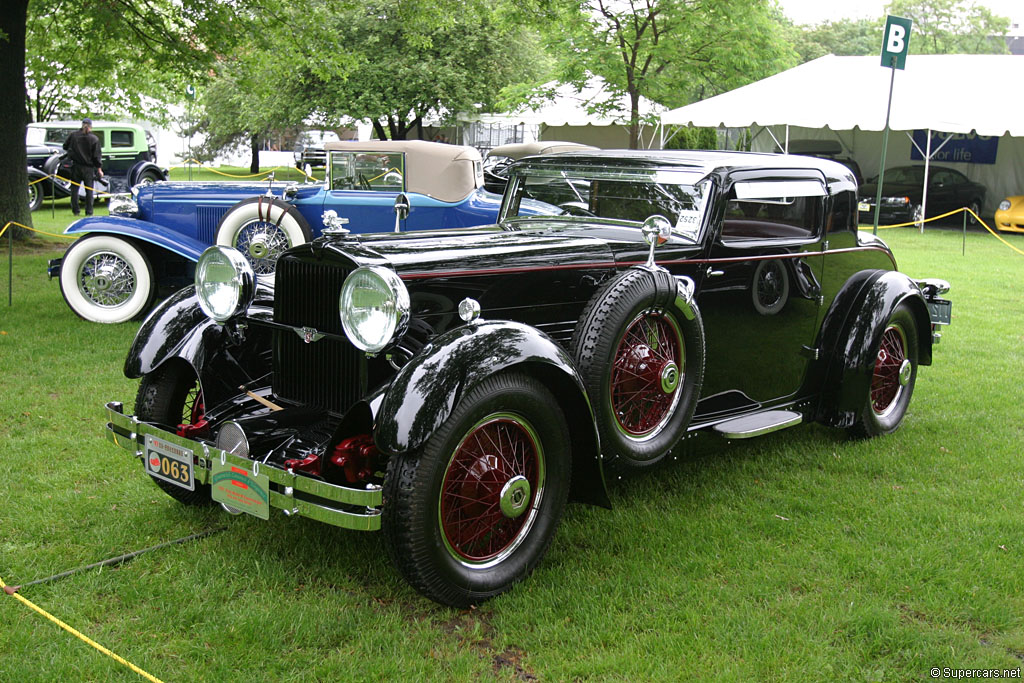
(292,490)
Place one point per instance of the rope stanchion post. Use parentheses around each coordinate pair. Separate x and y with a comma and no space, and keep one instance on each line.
(963,249)
(10,265)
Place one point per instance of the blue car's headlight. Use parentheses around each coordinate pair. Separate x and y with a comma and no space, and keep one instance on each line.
(225,283)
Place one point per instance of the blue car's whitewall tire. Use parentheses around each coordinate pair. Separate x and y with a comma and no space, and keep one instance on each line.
(106,279)
(262,228)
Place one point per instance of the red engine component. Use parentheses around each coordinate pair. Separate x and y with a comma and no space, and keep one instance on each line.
(357,457)
(198,428)
(310,464)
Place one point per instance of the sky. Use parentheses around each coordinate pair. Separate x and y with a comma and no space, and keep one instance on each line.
(816,11)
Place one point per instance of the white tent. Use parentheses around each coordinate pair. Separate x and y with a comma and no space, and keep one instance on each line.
(592,116)
(845,98)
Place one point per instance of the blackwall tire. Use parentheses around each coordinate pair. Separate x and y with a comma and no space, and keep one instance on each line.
(643,366)
(893,376)
(975,206)
(171,395)
(262,228)
(473,511)
(770,287)
(106,279)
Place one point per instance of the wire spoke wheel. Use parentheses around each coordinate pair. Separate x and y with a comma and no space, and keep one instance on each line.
(262,243)
(646,374)
(892,371)
(491,490)
(106,279)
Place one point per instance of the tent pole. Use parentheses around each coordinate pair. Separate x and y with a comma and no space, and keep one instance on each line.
(924,190)
(885,144)
(786,150)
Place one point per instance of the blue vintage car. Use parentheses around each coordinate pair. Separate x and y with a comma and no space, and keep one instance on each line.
(154,236)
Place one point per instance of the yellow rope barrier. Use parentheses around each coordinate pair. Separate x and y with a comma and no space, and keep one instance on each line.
(193,162)
(41,232)
(951,213)
(12,591)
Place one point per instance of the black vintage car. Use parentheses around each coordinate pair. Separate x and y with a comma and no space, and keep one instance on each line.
(455,389)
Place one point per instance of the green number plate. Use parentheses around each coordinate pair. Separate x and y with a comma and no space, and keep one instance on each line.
(238,487)
(169,462)
(941,311)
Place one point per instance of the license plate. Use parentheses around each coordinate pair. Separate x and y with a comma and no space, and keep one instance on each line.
(240,487)
(941,311)
(169,462)
(863,206)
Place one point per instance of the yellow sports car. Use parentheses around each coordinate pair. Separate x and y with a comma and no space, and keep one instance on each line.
(1010,215)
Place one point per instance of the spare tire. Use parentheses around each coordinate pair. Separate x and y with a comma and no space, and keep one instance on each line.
(262,228)
(642,361)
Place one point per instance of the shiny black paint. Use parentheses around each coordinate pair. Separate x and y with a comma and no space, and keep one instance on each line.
(424,392)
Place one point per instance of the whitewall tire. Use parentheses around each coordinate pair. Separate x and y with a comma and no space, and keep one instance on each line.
(106,279)
(262,228)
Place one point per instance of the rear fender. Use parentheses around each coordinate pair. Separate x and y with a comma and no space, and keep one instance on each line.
(427,389)
(139,168)
(143,231)
(852,331)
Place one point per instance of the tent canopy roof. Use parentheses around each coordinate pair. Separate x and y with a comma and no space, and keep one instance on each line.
(948,93)
(571,107)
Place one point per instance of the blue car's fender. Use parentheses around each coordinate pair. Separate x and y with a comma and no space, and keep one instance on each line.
(426,390)
(144,231)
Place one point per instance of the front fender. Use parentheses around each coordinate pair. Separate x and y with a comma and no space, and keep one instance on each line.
(851,334)
(144,231)
(427,389)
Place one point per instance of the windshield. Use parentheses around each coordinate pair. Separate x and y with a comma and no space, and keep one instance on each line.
(625,196)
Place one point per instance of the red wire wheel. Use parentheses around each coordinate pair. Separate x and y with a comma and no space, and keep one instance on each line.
(646,374)
(892,372)
(491,491)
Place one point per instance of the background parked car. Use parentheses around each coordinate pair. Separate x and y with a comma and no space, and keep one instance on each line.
(1010,214)
(154,236)
(128,150)
(455,389)
(903,188)
(309,148)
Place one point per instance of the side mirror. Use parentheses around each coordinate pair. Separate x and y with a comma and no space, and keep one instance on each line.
(656,230)
(402,209)
(307,170)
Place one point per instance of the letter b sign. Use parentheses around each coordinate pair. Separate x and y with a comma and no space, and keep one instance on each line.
(896,42)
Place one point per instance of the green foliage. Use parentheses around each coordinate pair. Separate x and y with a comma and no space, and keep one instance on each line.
(672,51)
(845,37)
(122,57)
(952,27)
(693,138)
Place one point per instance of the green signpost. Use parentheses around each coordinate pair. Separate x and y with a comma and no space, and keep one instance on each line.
(895,45)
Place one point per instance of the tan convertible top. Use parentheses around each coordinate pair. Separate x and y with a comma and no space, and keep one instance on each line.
(518,150)
(442,171)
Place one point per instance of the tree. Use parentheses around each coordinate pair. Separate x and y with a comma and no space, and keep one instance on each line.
(845,37)
(952,27)
(151,37)
(673,51)
(398,63)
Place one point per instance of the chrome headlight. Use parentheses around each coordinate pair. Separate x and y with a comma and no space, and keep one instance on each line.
(374,308)
(123,204)
(1004,205)
(225,283)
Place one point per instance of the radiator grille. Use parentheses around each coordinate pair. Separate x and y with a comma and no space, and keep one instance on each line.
(207,218)
(329,373)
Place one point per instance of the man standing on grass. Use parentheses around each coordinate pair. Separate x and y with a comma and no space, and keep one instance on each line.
(84,150)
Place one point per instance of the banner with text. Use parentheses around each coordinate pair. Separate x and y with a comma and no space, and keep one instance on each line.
(962,148)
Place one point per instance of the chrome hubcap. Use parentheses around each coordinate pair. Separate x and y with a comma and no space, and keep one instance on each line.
(106,279)
(262,243)
(906,368)
(669,377)
(515,494)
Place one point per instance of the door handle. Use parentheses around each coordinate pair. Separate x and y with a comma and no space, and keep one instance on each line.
(711,272)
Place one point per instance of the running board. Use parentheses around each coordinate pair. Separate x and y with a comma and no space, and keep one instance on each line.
(758,424)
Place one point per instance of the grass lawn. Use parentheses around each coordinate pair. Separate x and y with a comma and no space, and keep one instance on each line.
(799,556)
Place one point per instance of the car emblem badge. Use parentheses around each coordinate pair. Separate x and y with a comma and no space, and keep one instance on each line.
(309,334)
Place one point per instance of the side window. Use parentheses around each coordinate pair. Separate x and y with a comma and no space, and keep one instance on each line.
(122,138)
(781,218)
(367,171)
(844,213)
